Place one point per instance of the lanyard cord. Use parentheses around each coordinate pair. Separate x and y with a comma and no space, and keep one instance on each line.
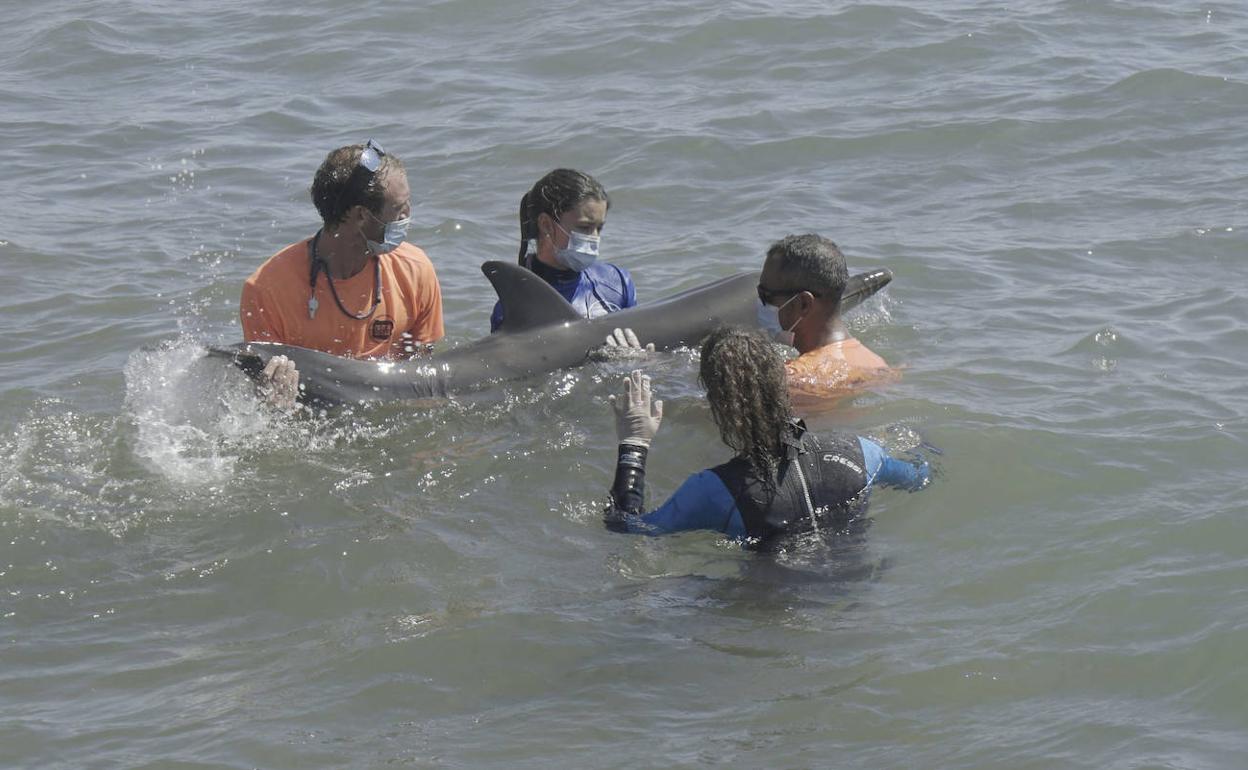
(315,271)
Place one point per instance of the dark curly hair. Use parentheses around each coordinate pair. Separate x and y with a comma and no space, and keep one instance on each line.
(553,194)
(341,182)
(745,383)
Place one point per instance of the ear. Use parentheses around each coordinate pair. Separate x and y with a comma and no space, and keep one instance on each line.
(545,225)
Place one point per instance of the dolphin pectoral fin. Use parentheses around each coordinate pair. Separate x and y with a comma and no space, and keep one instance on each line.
(861,286)
(528,301)
(242,356)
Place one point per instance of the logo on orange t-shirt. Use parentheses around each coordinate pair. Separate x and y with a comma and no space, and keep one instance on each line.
(382,328)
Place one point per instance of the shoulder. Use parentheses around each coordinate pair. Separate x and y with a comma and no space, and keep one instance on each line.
(605,271)
(409,266)
(408,258)
(732,466)
(605,274)
(846,363)
(840,443)
(810,363)
(281,266)
(861,355)
(733,475)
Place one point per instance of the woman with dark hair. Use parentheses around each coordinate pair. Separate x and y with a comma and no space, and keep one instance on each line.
(783,480)
(561,221)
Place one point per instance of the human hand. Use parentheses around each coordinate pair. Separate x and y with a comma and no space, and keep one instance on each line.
(279,383)
(626,339)
(636,418)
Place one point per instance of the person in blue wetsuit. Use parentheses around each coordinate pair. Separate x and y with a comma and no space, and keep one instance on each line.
(784,480)
(561,221)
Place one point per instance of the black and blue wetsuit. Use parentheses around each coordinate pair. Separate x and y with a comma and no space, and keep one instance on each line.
(822,486)
(599,289)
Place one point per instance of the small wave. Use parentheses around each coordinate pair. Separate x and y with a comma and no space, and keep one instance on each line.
(89,47)
(1177,84)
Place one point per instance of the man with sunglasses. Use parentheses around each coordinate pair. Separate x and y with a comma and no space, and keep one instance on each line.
(355,288)
(799,294)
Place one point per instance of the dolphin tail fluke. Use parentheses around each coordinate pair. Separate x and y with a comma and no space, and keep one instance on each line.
(528,301)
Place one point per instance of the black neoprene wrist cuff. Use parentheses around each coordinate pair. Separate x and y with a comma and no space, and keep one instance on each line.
(632,453)
(628,491)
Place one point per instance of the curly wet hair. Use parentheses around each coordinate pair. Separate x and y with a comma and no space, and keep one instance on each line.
(341,182)
(746,386)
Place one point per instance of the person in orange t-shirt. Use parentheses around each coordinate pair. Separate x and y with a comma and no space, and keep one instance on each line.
(799,294)
(354,288)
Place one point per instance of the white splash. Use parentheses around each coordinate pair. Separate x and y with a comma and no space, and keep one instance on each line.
(191,413)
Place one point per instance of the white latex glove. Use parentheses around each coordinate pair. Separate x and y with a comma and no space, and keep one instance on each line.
(636,418)
(279,383)
(626,339)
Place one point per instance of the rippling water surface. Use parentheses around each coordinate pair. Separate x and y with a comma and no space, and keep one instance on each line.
(189,581)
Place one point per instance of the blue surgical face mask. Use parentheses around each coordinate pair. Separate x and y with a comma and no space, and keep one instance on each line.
(395,232)
(769,321)
(581,251)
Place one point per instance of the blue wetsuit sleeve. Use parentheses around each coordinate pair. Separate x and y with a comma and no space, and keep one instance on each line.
(701,502)
(883,468)
(630,291)
(496,318)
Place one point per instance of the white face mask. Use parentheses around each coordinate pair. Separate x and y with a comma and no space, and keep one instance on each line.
(769,321)
(581,251)
(395,232)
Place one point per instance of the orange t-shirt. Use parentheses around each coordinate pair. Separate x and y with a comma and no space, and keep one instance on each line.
(274,307)
(835,369)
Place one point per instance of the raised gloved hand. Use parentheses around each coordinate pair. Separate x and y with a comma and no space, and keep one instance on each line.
(636,418)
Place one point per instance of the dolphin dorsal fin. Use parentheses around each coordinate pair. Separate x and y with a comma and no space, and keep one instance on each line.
(528,301)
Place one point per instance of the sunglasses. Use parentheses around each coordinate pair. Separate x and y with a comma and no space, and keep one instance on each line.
(371,157)
(370,161)
(766,295)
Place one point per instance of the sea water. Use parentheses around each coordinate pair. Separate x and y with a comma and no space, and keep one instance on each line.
(188,580)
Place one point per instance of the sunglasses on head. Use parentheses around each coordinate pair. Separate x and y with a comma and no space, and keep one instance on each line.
(370,161)
(371,157)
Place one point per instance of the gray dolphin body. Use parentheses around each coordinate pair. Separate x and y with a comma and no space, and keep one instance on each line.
(541,332)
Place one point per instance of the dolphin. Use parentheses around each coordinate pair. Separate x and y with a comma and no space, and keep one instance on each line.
(541,332)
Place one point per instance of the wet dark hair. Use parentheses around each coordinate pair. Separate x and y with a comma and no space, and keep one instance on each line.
(745,383)
(341,182)
(555,193)
(811,262)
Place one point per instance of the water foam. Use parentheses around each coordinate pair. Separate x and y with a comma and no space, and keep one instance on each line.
(193,416)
